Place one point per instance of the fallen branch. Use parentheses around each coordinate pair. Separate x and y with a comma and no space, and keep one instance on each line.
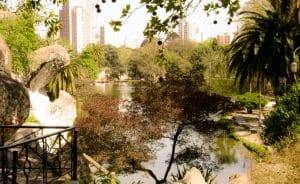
(112,175)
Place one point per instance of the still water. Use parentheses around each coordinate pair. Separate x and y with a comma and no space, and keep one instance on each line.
(230,156)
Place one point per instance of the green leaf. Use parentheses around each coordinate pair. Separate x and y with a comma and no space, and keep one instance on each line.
(125,11)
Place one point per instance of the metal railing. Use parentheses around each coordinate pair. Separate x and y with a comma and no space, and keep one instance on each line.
(42,154)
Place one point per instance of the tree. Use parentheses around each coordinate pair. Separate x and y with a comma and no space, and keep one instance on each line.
(213,58)
(64,80)
(86,60)
(263,47)
(282,124)
(113,136)
(18,32)
(174,11)
(41,16)
(99,54)
(112,61)
(53,23)
(124,55)
(143,63)
(251,101)
(177,102)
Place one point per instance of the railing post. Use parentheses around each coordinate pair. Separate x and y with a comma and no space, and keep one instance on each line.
(74,156)
(2,137)
(4,166)
(45,161)
(59,153)
(14,167)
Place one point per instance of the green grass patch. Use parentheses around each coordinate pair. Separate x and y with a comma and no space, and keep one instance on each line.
(32,119)
(227,125)
(259,150)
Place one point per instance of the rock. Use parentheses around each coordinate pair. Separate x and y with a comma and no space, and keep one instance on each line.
(241,178)
(192,176)
(47,61)
(14,101)
(5,57)
(60,112)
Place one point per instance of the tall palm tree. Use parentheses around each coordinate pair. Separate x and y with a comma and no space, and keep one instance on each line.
(263,48)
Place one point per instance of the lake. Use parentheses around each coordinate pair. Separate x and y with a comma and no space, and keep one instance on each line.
(229,156)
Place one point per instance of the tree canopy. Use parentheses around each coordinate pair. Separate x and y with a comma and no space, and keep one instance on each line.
(263,48)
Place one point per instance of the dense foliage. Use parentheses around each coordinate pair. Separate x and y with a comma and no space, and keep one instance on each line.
(143,63)
(263,48)
(20,36)
(87,61)
(283,122)
(64,80)
(176,101)
(115,137)
(251,101)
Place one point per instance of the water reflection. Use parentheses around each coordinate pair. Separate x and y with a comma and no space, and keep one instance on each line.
(231,156)
(226,154)
(121,90)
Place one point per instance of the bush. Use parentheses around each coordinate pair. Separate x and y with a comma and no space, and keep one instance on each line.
(20,36)
(283,121)
(251,101)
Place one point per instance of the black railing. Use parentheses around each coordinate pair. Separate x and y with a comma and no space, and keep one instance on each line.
(37,154)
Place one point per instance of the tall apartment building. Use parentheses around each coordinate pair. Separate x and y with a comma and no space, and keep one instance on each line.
(102,35)
(77,28)
(185,30)
(223,39)
(188,31)
(76,16)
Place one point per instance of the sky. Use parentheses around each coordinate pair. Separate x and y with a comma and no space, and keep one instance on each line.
(131,33)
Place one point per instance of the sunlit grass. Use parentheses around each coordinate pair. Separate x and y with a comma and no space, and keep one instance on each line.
(280,167)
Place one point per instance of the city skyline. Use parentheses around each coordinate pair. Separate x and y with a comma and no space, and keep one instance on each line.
(131,32)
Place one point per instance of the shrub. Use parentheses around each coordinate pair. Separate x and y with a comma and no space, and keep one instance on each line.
(283,121)
(251,101)
(20,36)
(112,136)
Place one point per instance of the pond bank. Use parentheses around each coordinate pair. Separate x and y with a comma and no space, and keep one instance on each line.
(247,130)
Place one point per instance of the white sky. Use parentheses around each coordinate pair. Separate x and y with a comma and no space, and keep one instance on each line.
(132,31)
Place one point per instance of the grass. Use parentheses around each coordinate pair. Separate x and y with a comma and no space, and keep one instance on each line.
(259,150)
(280,167)
(32,119)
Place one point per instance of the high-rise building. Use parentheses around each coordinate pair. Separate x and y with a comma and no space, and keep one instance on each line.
(65,18)
(102,35)
(223,39)
(75,17)
(188,31)
(77,28)
(184,30)
(87,21)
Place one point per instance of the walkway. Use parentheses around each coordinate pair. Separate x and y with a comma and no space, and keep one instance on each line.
(247,127)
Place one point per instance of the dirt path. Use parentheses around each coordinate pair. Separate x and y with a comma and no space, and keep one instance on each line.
(247,127)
